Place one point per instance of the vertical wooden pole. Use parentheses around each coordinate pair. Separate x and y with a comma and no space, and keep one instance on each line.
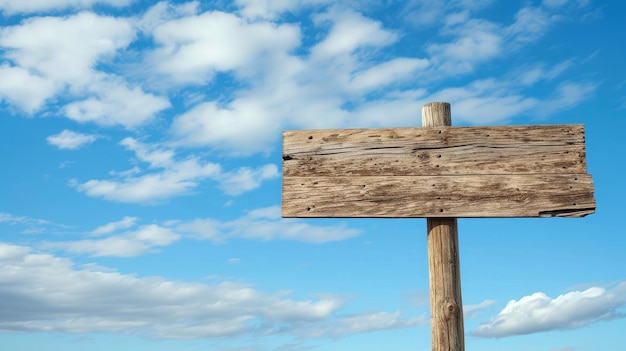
(444,271)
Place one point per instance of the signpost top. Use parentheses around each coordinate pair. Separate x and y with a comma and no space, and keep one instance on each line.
(440,173)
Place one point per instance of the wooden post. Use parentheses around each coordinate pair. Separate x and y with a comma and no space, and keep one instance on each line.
(443,261)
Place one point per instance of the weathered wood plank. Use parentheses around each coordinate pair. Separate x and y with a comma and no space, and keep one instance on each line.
(435,151)
(539,195)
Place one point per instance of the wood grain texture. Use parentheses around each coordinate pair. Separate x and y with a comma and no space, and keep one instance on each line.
(517,171)
(444,275)
(435,151)
(444,267)
(541,195)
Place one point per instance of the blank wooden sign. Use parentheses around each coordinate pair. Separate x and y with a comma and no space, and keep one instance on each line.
(514,171)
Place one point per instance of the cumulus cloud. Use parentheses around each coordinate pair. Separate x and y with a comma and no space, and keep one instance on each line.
(308,91)
(350,31)
(264,224)
(60,55)
(192,48)
(46,293)
(25,89)
(246,126)
(65,49)
(540,313)
(70,140)
(112,102)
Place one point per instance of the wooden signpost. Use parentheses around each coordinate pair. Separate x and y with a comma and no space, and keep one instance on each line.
(440,173)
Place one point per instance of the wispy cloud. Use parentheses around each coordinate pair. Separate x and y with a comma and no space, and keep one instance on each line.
(129,238)
(13,219)
(470,311)
(70,140)
(124,223)
(168,176)
(264,224)
(364,323)
(146,239)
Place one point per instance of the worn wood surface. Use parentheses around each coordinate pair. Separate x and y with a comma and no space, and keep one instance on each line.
(444,273)
(542,195)
(435,151)
(444,266)
(518,171)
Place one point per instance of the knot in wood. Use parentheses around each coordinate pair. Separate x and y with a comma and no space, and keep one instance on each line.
(450,309)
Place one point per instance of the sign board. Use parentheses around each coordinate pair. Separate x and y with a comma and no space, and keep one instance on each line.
(513,171)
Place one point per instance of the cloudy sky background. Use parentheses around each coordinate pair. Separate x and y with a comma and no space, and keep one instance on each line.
(141,150)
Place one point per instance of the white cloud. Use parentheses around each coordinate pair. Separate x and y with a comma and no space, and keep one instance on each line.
(70,140)
(172,177)
(539,313)
(350,31)
(245,179)
(45,293)
(153,154)
(475,41)
(65,49)
(567,95)
(390,72)
(536,73)
(112,102)
(301,91)
(24,89)
(366,322)
(13,219)
(30,6)
(270,9)
(554,3)
(150,187)
(430,12)
(264,224)
(163,12)
(169,176)
(124,223)
(530,24)
(146,239)
(471,311)
(191,49)
(60,55)
(280,75)
(486,101)
(245,126)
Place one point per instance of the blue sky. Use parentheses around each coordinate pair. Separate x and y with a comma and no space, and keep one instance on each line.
(141,179)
